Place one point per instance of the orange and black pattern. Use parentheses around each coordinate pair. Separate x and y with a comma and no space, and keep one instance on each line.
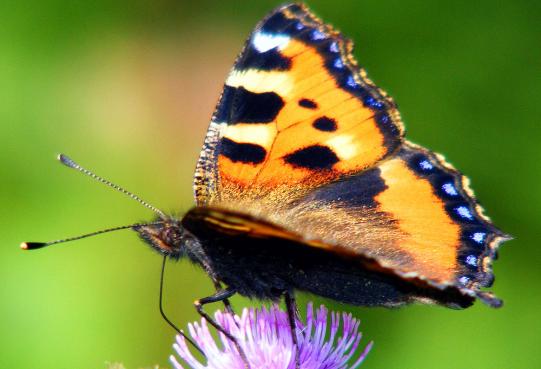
(303,140)
(295,104)
(412,212)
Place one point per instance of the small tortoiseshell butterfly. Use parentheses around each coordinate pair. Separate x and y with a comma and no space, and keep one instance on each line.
(305,182)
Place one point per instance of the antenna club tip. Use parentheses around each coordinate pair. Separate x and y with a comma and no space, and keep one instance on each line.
(32,245)
(66,160)
(61,157)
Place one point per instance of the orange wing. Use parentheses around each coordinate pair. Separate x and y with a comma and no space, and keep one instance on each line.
(414,213)
(295,112)
(305,144)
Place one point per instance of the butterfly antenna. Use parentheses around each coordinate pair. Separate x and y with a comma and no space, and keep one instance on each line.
(71,164)
(180,332)
(39,245)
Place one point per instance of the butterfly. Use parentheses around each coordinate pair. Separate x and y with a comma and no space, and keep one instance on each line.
(305,182)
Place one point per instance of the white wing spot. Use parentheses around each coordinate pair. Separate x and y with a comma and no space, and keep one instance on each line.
(264,42)
(449,189)
(257,134)
(344,146)
(471,260)
(261,81)
(478,237)
(464,212)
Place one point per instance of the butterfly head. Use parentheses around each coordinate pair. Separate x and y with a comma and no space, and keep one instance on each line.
(168,237)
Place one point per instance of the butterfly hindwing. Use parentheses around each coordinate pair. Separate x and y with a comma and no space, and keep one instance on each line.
(425,216)
(413,212)
(461,219)
(295,111)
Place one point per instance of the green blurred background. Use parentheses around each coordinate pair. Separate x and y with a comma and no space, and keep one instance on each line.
(127,89)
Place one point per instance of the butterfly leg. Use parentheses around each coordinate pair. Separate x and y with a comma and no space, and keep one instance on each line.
(220,295)
(293,313)
(227,303)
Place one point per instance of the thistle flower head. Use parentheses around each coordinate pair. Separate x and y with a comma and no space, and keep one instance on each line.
(265,337)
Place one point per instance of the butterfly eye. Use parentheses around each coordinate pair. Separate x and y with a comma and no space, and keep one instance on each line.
(173,233)
(167,238)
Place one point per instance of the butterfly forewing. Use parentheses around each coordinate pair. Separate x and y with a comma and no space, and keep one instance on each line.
(295,112)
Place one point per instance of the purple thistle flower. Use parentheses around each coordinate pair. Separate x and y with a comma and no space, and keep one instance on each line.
(265,336)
